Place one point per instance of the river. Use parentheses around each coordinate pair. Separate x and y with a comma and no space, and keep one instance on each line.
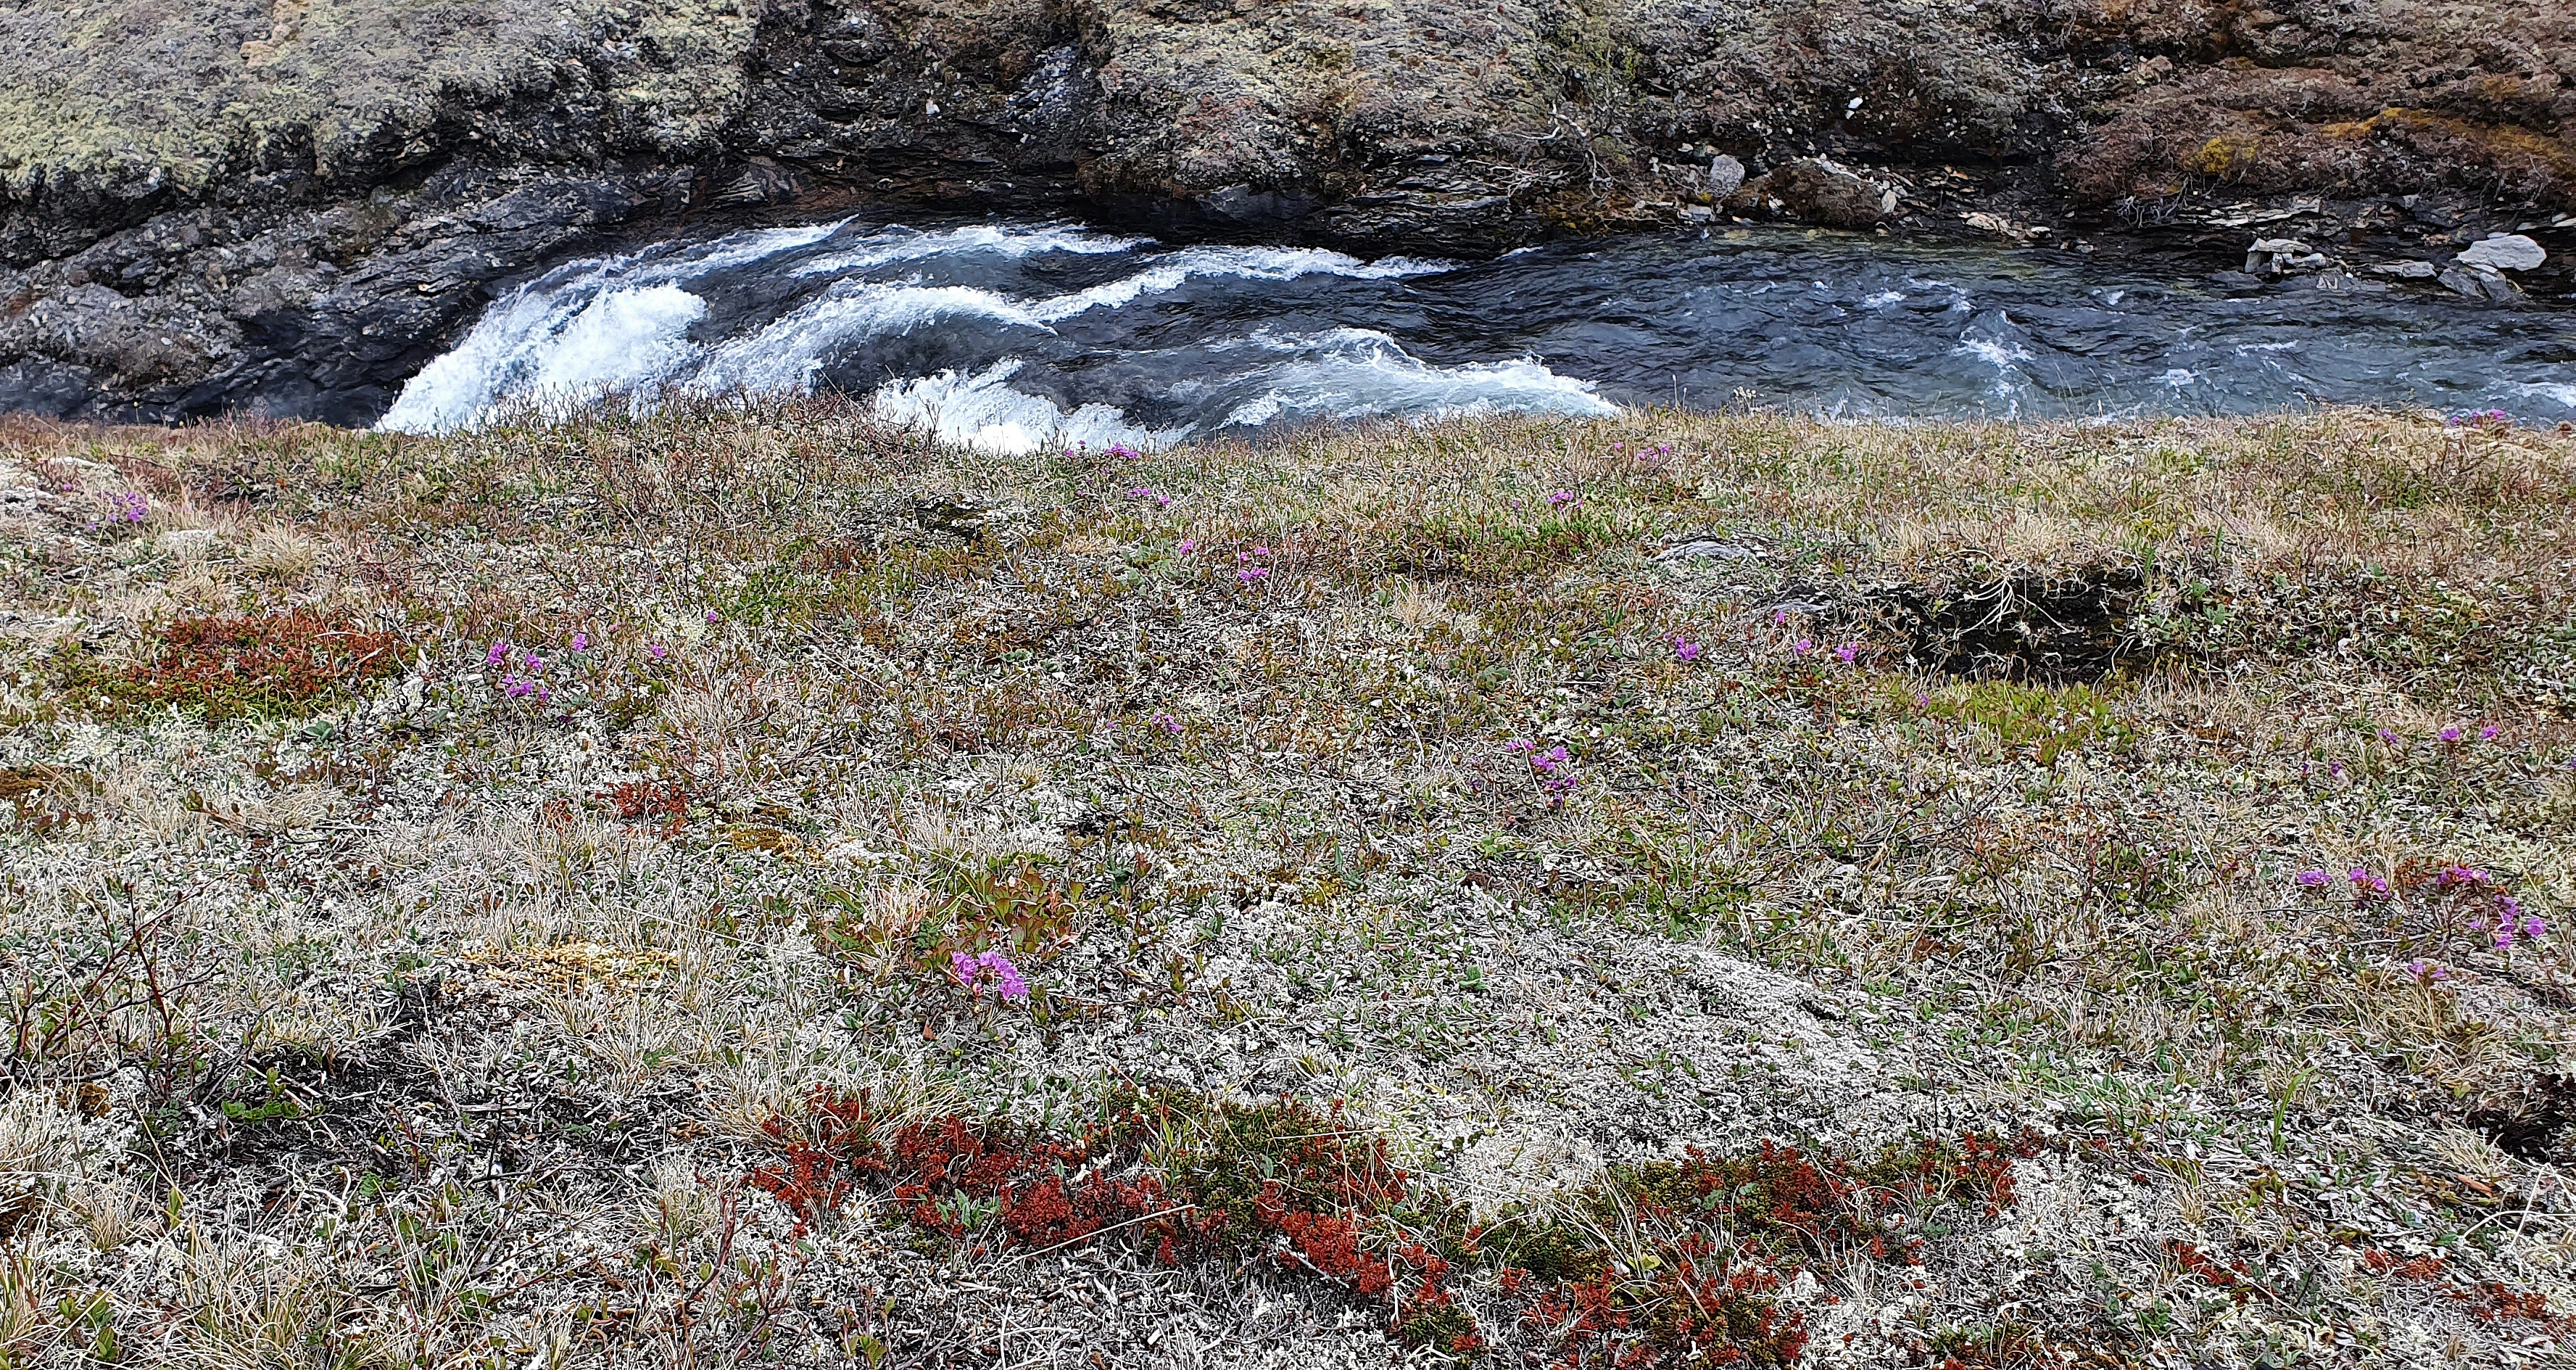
(1012,336)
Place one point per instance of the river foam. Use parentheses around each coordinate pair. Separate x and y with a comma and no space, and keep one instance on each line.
(1015,336)
(936,324)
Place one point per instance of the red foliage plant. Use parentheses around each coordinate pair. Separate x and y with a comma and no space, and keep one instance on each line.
(227,667)
(1284,1183)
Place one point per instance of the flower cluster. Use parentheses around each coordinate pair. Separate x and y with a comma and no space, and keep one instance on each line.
(1684,650)
(1553,768)
(1558,499)
(128,507)
(2503,919)
(974,972)
(2499,917)
(2480,418)
(1165,722)
(1147,492)
(1120,449)
(522,671)
(1252,565)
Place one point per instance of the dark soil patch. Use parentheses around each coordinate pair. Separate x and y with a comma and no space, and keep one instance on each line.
(2538,1125)
(2028,627)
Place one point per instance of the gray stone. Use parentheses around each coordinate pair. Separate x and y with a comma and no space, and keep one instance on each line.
(1724,175)
(2479,284)
(2280,256)
(1706,549)
(2413,271)
(2504,252)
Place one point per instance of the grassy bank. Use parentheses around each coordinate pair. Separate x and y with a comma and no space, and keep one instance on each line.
(754,886)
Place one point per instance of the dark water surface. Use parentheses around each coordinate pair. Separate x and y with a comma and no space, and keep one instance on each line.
(1017,335)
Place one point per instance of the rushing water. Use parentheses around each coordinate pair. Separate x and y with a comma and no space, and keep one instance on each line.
(1013,335)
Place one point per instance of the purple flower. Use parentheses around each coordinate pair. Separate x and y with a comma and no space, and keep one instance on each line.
(2360,876)
(2311,879)
(655,651)
(1006,977)
(2487,733)
(1161,501)
(1186,546)
(131,507)
(2387,738)
(1519,744)
(1922,699)
(1165,722)
(581,642)
(1120,449)
(2504,939)
(1805,645)
(1846,652)
(1558,499)
(500,652)
(1684,649)
(713,617)
(1779,618)
(2450,734)
(971,971)
(2533,926)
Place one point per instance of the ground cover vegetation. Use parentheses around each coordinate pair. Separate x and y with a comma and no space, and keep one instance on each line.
(749,885)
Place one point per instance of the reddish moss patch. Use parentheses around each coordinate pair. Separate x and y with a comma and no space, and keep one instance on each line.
(227,667)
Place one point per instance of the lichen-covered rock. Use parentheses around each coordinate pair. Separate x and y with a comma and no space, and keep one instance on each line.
(1819,191)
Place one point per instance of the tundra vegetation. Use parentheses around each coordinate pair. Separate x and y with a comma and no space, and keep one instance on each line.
(747,884)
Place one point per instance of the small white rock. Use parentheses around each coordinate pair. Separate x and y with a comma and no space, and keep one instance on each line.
(185,544)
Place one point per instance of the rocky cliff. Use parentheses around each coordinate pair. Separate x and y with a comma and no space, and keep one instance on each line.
(285,206)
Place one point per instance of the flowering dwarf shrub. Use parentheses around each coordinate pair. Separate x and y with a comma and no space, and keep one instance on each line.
(1552,771)
(990,968)
(2453,901)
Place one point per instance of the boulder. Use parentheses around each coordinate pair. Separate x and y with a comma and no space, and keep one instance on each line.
(2503,252)
(1724,175)
(1824,192)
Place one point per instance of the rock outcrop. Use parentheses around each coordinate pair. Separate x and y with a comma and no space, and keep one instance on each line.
(286,206)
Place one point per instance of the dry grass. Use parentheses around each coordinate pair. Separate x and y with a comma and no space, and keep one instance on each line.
(439,1022)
